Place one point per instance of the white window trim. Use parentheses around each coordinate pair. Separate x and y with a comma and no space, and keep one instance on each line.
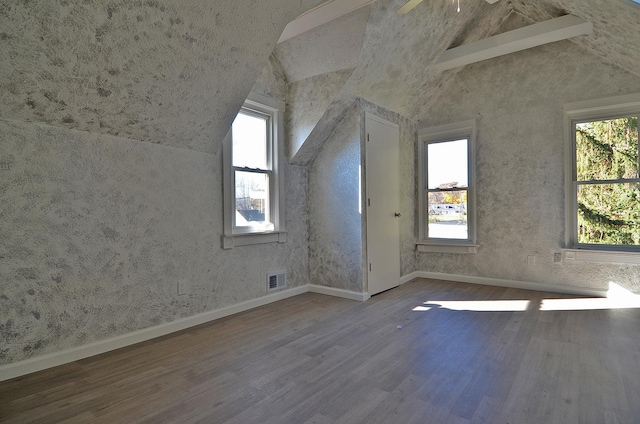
(453,131)
(275,109)
(610,107)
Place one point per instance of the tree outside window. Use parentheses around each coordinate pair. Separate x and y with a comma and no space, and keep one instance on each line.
(607,184)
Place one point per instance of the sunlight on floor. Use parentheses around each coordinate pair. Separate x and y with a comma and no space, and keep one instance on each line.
(617,298)
(477,305)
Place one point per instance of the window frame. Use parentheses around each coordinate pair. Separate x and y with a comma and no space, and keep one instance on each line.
(273,110)
(440,134)
(582,112)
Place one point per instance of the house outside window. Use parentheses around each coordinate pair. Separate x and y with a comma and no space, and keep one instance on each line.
(604,193)
(447,188)
(254,174)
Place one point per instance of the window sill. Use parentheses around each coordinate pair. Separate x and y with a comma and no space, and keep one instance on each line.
(229,242)
(608,256)
(470,249)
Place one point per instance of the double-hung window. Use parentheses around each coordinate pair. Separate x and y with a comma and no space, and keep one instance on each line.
(253,174)
(604,201)
(447,188)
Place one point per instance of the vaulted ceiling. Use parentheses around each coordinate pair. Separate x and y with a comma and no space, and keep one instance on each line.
(165,71)
(394,65)
(176,73)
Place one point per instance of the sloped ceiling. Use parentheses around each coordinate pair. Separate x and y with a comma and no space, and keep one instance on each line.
(394,69)
(176,73)
(394,66)
(616,26)
(163,71)
(331,47)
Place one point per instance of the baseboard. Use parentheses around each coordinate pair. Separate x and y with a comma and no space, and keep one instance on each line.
(39,363)
(409,277)
(525,285)
(314,288)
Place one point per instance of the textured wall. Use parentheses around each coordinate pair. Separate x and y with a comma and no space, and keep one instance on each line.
(337,231)
(335,223)
(616,33)
(394,64)
(97,230)
(271,81)
(393,68)
(518,100)
(163,71)
(326,48)
(307,102)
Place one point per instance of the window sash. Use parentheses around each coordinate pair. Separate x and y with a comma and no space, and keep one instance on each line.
(272,110)
(577,183)
(268,223)
(269,136)
(462,130)
(427,190)
(618,181)
(425,206)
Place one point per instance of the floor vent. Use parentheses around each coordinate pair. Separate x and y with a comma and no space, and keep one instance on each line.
(276,281)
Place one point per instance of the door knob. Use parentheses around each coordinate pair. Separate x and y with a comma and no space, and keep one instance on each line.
(397,214)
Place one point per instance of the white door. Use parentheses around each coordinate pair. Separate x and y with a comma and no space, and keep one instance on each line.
(382,202)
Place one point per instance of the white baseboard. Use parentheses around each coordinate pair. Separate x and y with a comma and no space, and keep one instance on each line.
(314,288)
(525,285)
(409,277)
(39,363)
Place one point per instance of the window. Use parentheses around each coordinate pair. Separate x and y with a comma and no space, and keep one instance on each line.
(253,178)
(447,191)
(604,202)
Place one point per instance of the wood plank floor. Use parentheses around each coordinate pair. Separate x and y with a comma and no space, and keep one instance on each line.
(470,354)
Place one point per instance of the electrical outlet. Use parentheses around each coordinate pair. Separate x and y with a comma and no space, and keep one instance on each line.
(557,257)
(531,260)
(182,288)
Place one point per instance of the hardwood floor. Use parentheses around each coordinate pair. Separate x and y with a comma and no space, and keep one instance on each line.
(466,356)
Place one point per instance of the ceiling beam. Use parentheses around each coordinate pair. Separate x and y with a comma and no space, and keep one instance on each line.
(557,29)
(321,14)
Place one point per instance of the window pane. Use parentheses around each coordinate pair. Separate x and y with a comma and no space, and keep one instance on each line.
(448,215)
(252,198)
(448,164)
(249,134)
(607,150)
(609,214)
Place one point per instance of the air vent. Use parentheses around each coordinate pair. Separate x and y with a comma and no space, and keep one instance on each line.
(276,281)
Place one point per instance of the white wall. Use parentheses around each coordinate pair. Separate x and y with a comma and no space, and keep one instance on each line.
(335,222)
(517,101)
(97,230)
(112,117)
(337,236)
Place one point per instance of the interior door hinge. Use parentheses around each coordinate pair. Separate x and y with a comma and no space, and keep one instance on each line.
(367,136)
(369,267)
(369,202)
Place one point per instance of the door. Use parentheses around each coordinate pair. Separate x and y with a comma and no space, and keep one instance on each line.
(382,203)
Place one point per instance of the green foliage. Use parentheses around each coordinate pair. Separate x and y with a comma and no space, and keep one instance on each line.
(608,213)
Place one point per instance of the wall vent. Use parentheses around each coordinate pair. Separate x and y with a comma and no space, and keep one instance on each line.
(276,281)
